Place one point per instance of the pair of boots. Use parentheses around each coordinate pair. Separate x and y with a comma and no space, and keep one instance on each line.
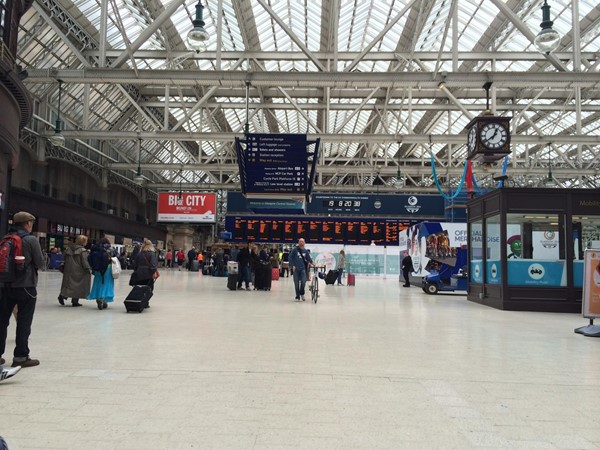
(101,304)
(74,301)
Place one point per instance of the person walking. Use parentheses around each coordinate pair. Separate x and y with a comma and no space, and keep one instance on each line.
(77,276)
(191,255)
(169,258)
(22,292)
(146,265)
(300,260)
(103,288)
(407,268)
(180,256)
(341,265)
(285,263)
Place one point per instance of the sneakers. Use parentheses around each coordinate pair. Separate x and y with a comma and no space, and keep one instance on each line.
(27,363)
(8,373)
(297,299)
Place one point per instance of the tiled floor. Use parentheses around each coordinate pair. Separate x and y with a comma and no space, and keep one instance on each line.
(371,366)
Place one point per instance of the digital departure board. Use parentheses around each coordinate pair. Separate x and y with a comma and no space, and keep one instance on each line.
(302,229)
(264,233)
(277,227)
(252,230)
(339,232)
(378,232)
(353,232)
(328,228)
(289,234)
(365,233)
(239,232)
(316,230)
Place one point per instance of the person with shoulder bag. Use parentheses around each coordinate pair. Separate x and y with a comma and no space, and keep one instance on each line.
(145,266)
(77,273)
(103,287)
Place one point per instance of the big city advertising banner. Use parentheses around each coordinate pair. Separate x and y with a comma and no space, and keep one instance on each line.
(189,207)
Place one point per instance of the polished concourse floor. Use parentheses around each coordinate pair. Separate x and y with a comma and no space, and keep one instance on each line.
(370,366)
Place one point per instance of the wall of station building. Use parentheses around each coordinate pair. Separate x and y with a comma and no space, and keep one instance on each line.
(69,201)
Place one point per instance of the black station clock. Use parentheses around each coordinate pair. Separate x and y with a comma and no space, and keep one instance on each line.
(488,138)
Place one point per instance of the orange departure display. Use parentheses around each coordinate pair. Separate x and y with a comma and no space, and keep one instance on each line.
(316,230)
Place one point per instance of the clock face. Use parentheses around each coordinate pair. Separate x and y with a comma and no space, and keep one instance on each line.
(472,139)
(494,135)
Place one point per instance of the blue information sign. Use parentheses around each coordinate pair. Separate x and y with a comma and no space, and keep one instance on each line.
(276,164)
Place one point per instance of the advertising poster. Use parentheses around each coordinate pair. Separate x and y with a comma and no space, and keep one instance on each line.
(591,284)
(188,207)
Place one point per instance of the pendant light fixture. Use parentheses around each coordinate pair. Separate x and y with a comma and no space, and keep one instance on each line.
(549,180)
(198,37)
(547,39)
(57,139)
(139,178)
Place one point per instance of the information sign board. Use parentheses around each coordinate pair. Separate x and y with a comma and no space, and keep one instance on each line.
(591,284)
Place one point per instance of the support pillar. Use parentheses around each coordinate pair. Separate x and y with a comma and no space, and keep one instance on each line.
(180,236)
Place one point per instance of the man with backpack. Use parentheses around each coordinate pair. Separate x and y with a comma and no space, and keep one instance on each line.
(21,289)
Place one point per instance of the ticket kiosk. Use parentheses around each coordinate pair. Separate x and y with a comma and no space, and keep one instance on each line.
(526,247)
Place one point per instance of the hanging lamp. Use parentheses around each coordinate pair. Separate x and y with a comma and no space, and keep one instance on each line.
(548,39)
(198,37)
(57,139)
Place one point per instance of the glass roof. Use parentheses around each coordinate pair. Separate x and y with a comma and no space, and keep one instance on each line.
(308,36)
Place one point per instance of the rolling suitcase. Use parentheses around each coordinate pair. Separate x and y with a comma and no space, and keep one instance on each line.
(232,280)
(262,277)
(351,280)
(331,276)
(138,298)
(275,273)
(195,265)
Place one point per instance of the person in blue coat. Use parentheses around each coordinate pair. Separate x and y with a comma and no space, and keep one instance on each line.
(103,287)
(300,259)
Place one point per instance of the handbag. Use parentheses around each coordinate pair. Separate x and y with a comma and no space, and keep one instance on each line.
(133,280)
(115,267)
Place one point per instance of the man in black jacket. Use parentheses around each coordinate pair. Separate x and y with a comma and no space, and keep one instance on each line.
(407,268)
(22,293)
(244,260)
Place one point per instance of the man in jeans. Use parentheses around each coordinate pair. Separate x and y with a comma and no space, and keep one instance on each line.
(22,292)
(300,259)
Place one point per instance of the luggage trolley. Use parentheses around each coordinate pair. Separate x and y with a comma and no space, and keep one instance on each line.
(318,272)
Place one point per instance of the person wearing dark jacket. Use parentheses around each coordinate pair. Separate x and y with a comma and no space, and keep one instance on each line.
(244,274)
(146,265)
(191,255)
(22,292)
(76,273)
(103,287)
(407,268)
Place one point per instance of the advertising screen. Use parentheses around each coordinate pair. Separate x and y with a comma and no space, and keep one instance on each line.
(188,207)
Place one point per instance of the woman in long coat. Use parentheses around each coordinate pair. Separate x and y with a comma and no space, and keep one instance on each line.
(103,287)
(76,274)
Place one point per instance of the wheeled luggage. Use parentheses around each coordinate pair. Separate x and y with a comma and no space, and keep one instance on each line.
(262,277)
(232,280)
(331,276)
(138,299)
(351,280)
(275,274)
(195,265)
